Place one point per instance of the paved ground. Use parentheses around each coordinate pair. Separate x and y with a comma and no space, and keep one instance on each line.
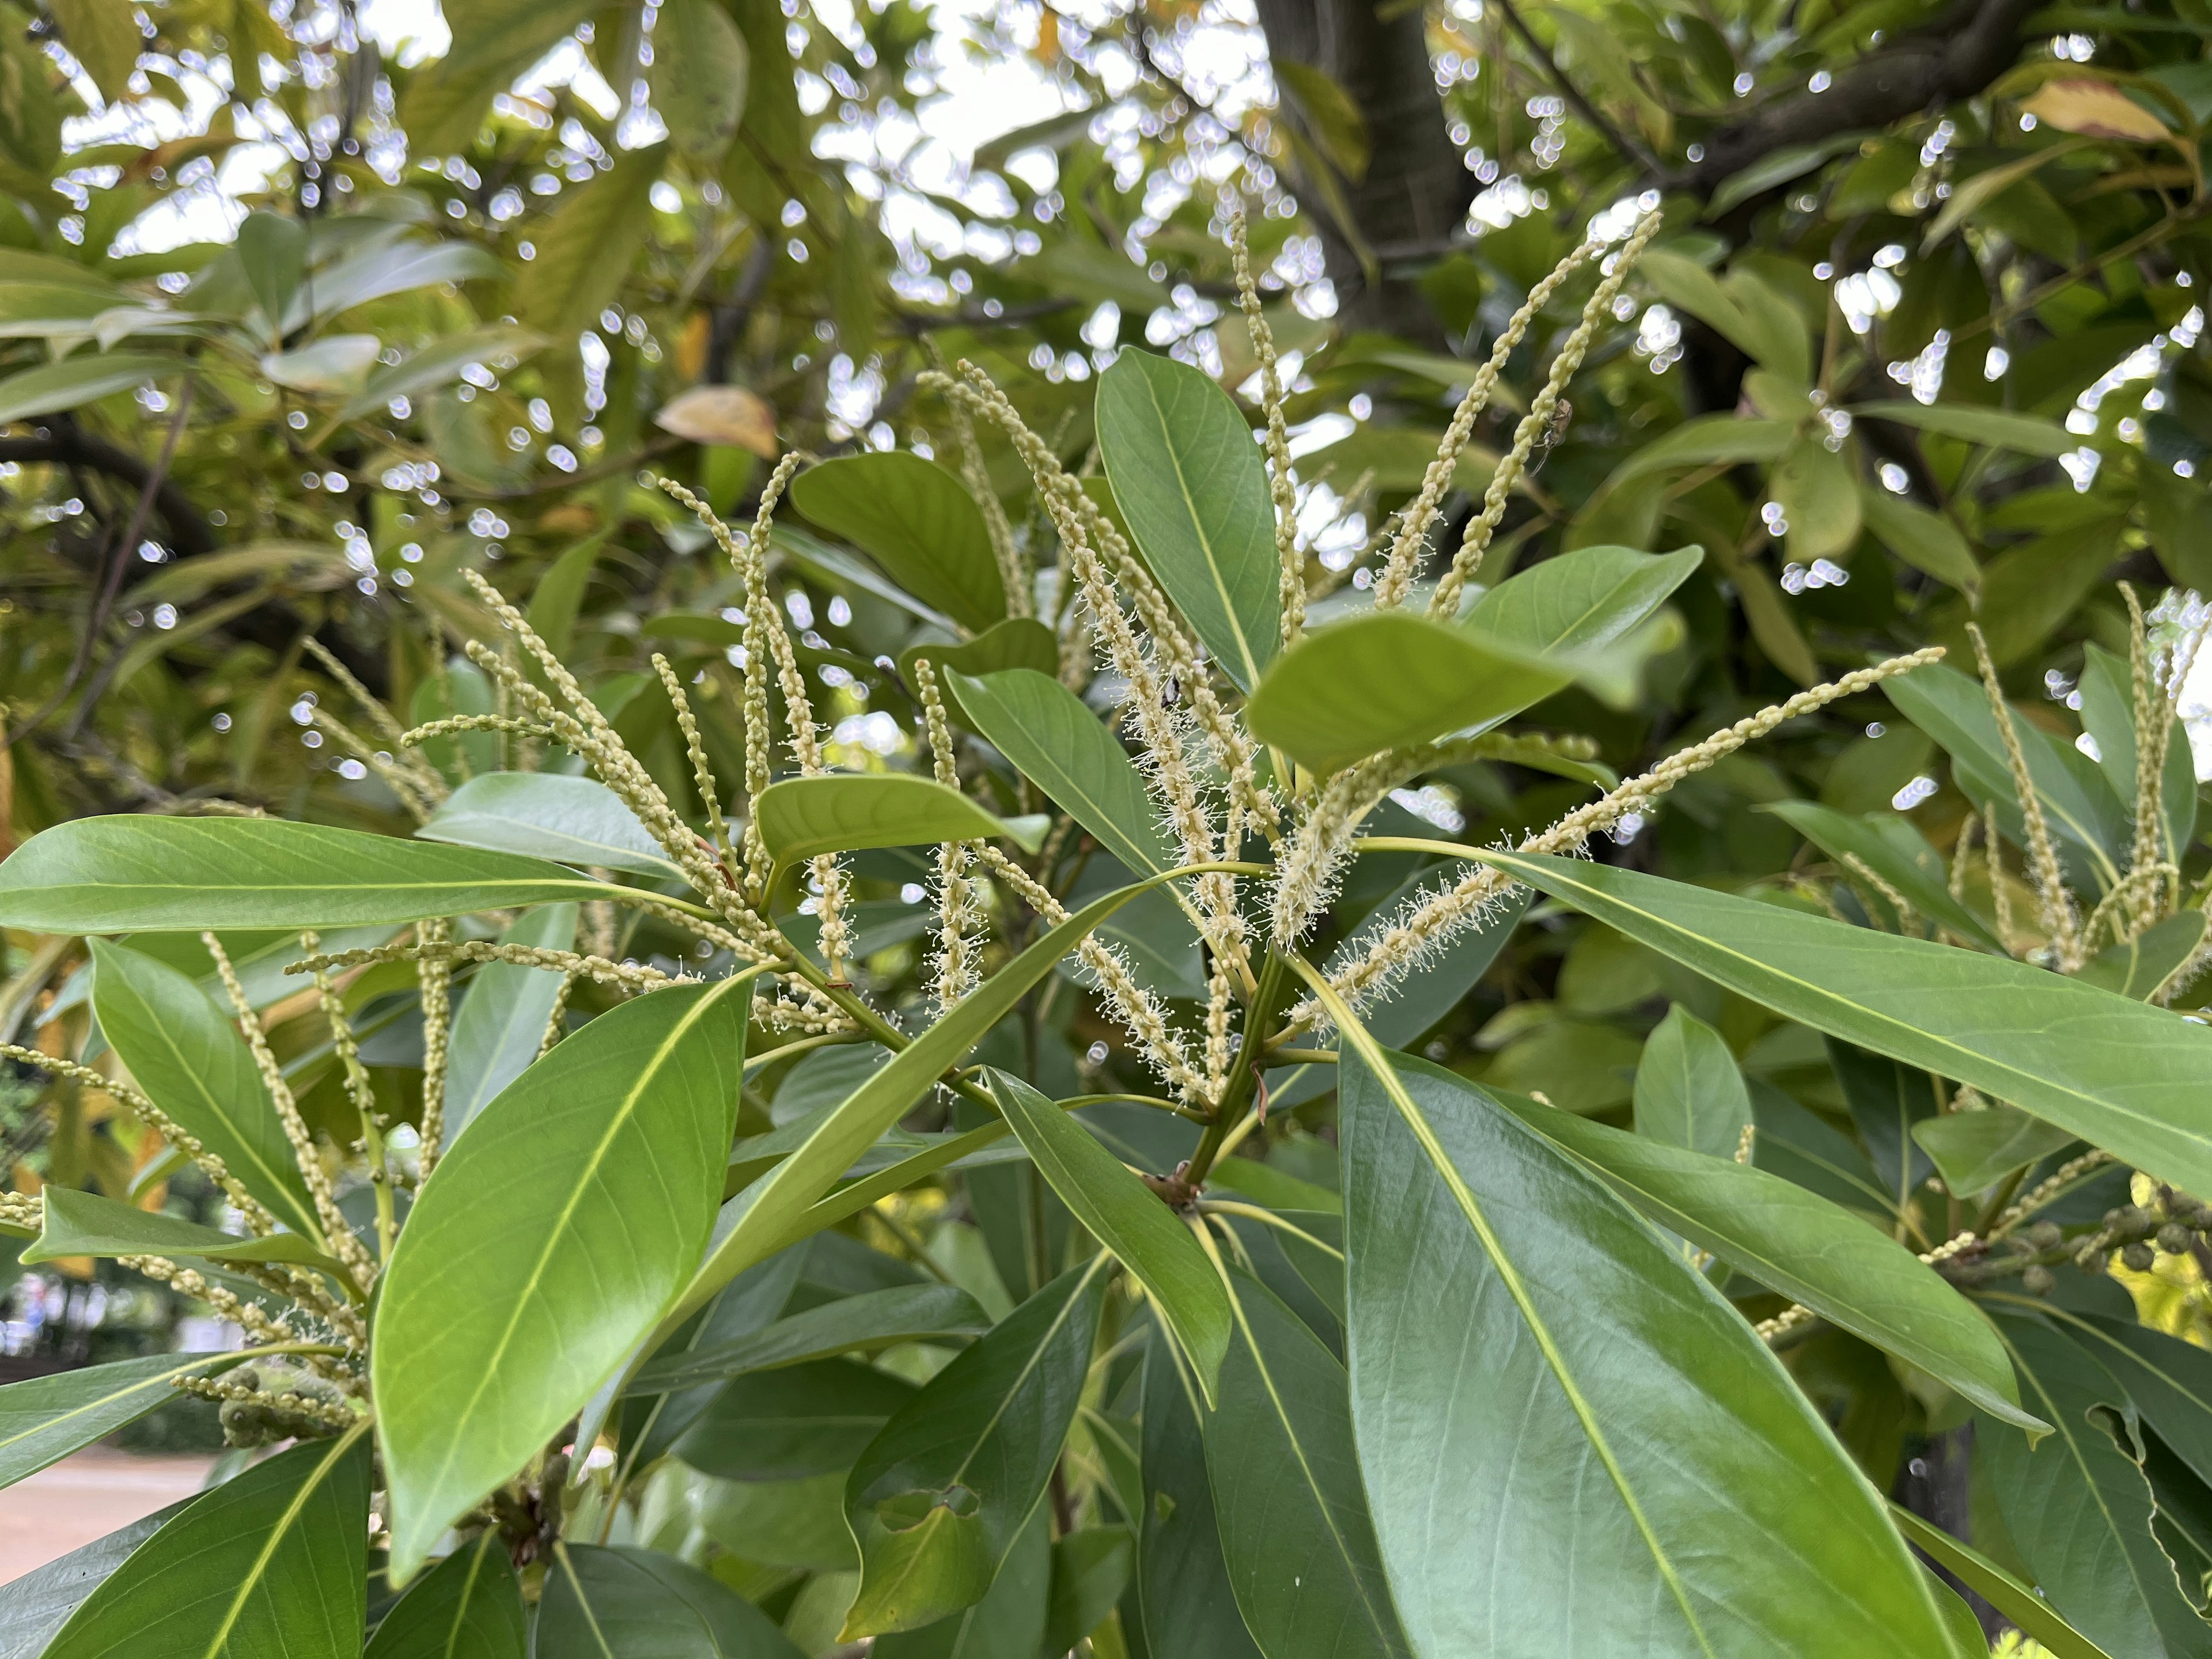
(83,1496)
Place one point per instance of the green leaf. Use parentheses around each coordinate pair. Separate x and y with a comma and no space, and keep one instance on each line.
(2016,1600)
(549,815)
(1688,1090)
(916,520)
(2077,1507)
(779,1208)
(105,39)
(1008,1623)
(585,249)
(2108,716)
(1060,745)
(46,1418)
(1704,441)
(1192,484)
(436,365)
(33,1606)
(1286,1490)
(270,1562)
(1182,1583)
(849,811)
(1886,1100)
(1800,1244)
(110,875)
(1715,1514)
(1998,428)
(1129,1220)
(335,366)
(701,67)
(1332,116)
(471,1603)
(2168,1380)
(51,388)
(1819,498)
(502,1022)
(2146,965)
(548,1242)
(1581,601)
(607,1604)
(1887,844)
(873,1319)
(806,1419)
(1415,680)
(1927,541)
(1974,1151)
(1018,642)
(940,1498)
(82,1224)
(1090,1569)
(187,1055)
(2123,1075)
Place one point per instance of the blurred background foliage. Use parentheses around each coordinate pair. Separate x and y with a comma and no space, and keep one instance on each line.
(306,309)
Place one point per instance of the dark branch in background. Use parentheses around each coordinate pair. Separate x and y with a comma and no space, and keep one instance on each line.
(189,532)
(1583,107)
(1955,57)
(729,318)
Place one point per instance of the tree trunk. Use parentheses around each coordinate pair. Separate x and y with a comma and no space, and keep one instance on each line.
(1416,189)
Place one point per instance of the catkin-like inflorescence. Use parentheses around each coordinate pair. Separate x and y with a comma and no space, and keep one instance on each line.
(1284,492)
(2054,901)
(956,892)
(436,976)
(702,773)
(629,975)
(1537,423)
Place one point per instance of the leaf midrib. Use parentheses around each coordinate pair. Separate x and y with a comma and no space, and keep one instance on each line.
(1205,541)
(308,1488)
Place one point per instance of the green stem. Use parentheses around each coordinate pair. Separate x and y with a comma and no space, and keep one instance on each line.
(1268,996)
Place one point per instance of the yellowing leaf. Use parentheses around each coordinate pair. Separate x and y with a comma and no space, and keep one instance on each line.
(727,415)
(2096,109)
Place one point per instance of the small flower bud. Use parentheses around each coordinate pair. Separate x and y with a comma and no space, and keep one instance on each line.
(2139,1257)
(2037,1280)
(2174,1238)
(2045,1235)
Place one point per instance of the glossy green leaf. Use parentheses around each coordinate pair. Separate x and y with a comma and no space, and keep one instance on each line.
(1705,439)
(38,1603)
(1798,1243)
(1688,1090)
(1067,751)
(941,1497)
(1416,681)
(550,1240)
(501,1023)
(438,364)
(871,1320)
(1090,1568)
(1818,491)
(1190,482)
(1889,845)
(187,1055)
(780,1207)
(1715,1516)
(468,1607)
(1183,1582)
(1999,429)
(1129,1219)
(1974,1151)
(110,875)
(585,246)
(1581,601)
(2108,716)
(647,1426)
(2076,1506)
(271,1563)
(1927,541)
(848,812)
(2122,1074)
(51,388)
(84,1223)
(44,1419)
(917,522)
(2017,1601)
(2146,965)
(1887,1098)
(1008,1623)
(1288,1494)
(549,815)
(2168,1380)
(602,1604)
(811,1419)
(1016,642)
(701,67)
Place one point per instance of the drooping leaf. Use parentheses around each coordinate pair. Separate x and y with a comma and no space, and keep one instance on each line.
(1716,1515)
(502,1022)
(1417,680)
(1999,429)
(2076,1506)
(1889,845)
(1581,601)
(1064,749)
(2017,1601)
(1927,541)
(848,812)
(1689,1092)
(270,1562)
(188,1056)
(549,815)
(871,1320)
(1974,1151)
(918,522)
(940,1498)
(811,1419)
(84,1223)
(1008,1623)
(2121,1075)
(1287,1494)
(44,1419)
(1798,1243)
(1129,1220)
(1190,481)
(471,1603)
(33,1606)
(1182,1583)
(500,1314)
(51,388)
(112,875)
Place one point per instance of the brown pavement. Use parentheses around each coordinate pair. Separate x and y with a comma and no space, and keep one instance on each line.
(85,1497)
